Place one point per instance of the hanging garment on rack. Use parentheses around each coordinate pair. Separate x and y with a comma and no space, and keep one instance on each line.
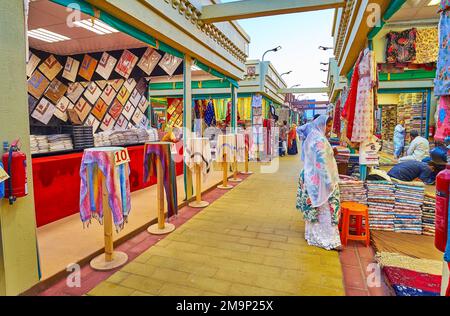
(226,144)
(228,117)
(363,120)
(257,100)
(198,151)
(349,108)
(162,150)
(442,81)
(210,116)
(337,118)
(443,119)
(427,46)
(401,46)
(97,165)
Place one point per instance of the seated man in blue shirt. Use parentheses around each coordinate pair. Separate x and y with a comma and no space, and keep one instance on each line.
(412,170)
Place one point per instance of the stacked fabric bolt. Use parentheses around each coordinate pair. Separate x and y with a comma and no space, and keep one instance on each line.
(334,141)
(39,144)
(429,215)
(102,139)
(381,201)
(353,191)
(388,147)
(388,121)
(353,163)
(343,154)
(409,199)
(152,135)
(60,142)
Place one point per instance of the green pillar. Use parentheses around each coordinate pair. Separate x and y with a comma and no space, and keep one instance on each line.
(18,253)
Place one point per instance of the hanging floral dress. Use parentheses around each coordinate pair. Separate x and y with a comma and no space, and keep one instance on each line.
(363,120)
(442,81)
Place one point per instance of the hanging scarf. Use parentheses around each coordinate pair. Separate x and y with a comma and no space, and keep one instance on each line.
(210,116)
(320,168)
(198,151)
(162,151)
(98,166)
(349,108)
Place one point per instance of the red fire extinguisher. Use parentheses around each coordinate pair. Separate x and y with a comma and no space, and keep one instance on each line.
(15,163)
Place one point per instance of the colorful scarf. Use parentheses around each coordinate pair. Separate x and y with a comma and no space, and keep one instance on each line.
(198,151)
(98,165)
(162,151)
(210,116)
(226,144)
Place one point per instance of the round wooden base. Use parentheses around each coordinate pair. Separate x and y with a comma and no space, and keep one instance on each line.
(243,172)
(200,204)
(154,229)
(100,263)
(235,180)
(222,187)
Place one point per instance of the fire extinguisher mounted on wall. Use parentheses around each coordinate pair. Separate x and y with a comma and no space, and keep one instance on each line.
(16,163)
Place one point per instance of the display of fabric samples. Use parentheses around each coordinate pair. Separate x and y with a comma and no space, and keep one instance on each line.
(71,69)
(226,145)
(442,80)
(170,63)
(162,151)
(98,165)
(409,198)
(87,67)
(429,215)
(381,202)
(198,151)
(106,65)
(427,46)
(210,116)
(50,67)
(401,46)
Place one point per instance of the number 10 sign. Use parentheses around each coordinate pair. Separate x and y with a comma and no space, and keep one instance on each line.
(121,157)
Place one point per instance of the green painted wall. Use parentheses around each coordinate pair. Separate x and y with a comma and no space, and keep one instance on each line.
(18,257)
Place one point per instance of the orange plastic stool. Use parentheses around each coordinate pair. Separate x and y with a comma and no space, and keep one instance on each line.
(360,211)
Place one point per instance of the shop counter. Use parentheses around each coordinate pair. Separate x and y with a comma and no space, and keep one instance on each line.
(56,182)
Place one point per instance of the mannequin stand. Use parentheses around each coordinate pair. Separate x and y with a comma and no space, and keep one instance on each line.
(198,203)
(110,259)
(162,227)
(225,185)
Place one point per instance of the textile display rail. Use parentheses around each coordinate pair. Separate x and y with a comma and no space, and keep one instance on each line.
(159,154)
(104,191)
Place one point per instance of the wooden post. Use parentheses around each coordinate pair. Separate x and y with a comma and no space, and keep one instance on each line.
(107,224)
(225,185)
(160,194)
(198,203)
(161,228)
(198,187)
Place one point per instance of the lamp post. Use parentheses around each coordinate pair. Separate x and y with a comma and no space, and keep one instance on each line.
(325,48)
(286,73)
(297,85)
(276,49)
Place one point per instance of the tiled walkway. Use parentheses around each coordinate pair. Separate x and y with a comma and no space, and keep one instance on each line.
(248,242)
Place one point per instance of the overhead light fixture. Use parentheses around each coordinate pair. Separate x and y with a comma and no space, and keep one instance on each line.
(96,26)
(47,36)
(434,2)
(195,68)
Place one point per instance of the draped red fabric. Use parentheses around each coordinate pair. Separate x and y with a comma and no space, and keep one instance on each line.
(337,119)
(349,108)
(56,182)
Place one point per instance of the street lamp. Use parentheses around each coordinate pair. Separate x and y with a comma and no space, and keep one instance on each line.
(297,85)
(276,49)
(286,73)
(325,48)
(324,70)
(325,64)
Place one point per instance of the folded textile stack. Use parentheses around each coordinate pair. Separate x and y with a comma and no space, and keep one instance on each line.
(353,191)
(408,207)
(60,142)
(388,147)
(353,164)
(381,201)
(388,122)
(334,141)
(429,215)
(39,144)
(343,154)
(152,135)
(102,139)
